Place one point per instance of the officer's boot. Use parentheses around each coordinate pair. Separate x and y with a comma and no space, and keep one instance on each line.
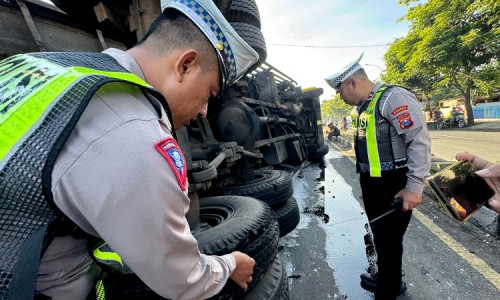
(369,282)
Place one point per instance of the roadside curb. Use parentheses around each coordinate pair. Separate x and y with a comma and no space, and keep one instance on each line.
(343,140)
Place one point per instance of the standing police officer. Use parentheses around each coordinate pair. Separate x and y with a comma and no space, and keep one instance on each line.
(89,138)
(392,147)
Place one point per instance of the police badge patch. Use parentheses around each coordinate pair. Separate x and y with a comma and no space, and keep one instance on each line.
(405,121)
(169,149)
(399,109)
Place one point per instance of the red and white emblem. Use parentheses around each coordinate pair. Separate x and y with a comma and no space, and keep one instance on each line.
(405,120)
(399,109)
(169,149)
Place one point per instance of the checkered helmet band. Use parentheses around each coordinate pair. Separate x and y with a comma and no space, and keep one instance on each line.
(213,32)
(336,79)
(336,83)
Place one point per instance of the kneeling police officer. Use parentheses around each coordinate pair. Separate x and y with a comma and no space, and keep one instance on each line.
(88,142)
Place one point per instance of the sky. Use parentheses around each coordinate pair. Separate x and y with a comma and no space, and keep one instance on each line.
(330,23)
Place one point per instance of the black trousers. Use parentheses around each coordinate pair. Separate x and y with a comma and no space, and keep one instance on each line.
(388,232)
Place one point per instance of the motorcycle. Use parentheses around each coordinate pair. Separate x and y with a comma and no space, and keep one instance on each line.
(438,120)
(457,119)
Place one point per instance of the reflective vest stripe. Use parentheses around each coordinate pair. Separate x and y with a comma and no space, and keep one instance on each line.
(104,255)
(18,109)
(107,257)
(118,75)
(371,136)
(100,291)
(28,90)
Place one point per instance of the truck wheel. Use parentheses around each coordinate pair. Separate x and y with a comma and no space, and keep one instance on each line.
(322,150)
(288,216)
(273,286)
(244,11)
(254,37)
(316,152)
(234,223)
(271,186)
(230,223)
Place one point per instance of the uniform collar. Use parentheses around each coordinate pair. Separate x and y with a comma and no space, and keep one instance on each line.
(372,93)
(375,89)
(125,60)
(130,64)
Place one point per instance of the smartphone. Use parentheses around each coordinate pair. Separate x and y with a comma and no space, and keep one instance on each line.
(459,190)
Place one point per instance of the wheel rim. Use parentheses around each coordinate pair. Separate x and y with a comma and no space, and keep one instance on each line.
(258,177)
(212,216)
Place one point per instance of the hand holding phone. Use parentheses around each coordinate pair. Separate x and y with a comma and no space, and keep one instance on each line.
(490,172)
(460,190)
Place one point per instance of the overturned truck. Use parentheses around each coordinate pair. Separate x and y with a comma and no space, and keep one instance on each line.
(239,153)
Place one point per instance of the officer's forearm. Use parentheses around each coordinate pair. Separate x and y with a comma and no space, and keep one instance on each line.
(419,160)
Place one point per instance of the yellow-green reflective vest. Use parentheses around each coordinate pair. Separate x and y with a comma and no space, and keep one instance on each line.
(42,96)
(366,121)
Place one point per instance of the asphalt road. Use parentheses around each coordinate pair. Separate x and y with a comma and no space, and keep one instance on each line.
(447,143)
(331,245)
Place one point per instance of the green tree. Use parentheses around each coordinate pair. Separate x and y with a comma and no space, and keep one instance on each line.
(334,109)
(450,43)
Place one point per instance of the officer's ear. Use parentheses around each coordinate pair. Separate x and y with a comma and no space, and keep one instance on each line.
(351,82)
(187,64)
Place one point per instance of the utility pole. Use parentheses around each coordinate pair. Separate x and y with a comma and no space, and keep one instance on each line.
(380,77)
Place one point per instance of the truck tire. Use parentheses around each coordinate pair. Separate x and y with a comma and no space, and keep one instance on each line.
(273,286)
(244,11)
(263,250)
(288,216)
(316,151)
(234,223)
(254,38)
(271,186)
(322,150)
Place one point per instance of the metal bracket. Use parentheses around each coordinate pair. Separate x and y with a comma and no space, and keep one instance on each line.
(31,25)
(211,171)
(101,39)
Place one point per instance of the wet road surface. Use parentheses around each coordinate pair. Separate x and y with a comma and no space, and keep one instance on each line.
(327,249)
(331,245)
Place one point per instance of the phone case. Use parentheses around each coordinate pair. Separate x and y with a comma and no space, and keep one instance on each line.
(459,190)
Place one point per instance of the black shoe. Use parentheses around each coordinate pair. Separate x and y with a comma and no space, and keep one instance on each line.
(369,282)
(402,288)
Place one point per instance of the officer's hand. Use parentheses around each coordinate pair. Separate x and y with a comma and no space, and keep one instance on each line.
(491,174)
(242,274)
(410,200)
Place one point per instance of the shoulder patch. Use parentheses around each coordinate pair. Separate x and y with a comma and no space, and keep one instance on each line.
(399,109)
(405,121)
(169,149)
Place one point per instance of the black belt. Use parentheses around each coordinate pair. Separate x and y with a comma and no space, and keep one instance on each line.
(385,166)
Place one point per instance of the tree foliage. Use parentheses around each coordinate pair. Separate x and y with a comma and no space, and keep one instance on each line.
(334,109)
(450,43)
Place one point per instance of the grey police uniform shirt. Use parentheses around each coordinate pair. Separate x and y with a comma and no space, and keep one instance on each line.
(112,182)
(401,108)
